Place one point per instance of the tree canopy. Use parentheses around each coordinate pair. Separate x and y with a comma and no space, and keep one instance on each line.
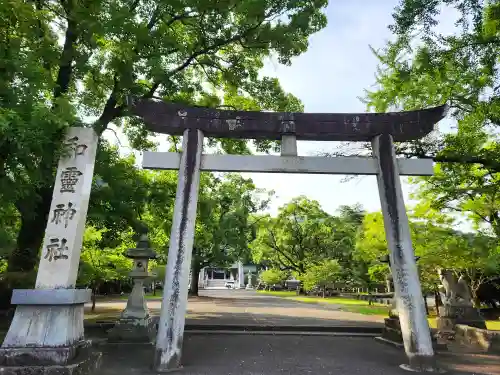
(424,67)
(72,63)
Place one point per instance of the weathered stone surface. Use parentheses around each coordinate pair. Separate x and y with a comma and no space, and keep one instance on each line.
(392,330)
(174,118)
(83,365)
(173,311)
(50,296)
(445,330)
(45,326)
(62,244)
(392,334)
(478,338)
(457,314)
(135,324)
(133,330)
(46,333)
(78,359)
(408,293)
(43,356)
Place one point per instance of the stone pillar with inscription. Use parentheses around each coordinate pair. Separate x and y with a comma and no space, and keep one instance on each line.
(173,309)
(46,334)
(410,303)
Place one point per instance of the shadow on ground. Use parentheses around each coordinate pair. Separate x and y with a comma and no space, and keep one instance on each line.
(271,355)
(222,319)
(234,318)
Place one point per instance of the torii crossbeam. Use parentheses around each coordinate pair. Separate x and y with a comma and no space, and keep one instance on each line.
(381,129)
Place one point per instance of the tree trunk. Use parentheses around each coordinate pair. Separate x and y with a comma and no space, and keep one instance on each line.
(94,297)
(195,274)
(437,301)
(476,302)
(30,237)
(426,304)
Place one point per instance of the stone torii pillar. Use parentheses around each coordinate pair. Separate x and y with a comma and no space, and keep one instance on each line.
(174,303)
(379,128)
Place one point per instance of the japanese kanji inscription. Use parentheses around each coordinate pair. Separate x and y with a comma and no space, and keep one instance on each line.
(56,249)
(63,214)
(69,178)
(75,147)
(68,211)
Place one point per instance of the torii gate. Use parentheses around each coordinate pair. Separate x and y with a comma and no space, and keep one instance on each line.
(381,129)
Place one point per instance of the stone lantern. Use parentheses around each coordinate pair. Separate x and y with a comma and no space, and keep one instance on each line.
(135,323)
(249,284)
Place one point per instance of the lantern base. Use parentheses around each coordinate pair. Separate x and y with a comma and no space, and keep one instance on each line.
(133,330)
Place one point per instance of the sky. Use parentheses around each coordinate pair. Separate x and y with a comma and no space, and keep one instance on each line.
(330,77)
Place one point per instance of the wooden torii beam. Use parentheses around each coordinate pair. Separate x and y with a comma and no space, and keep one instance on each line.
(381,129)
(172,118)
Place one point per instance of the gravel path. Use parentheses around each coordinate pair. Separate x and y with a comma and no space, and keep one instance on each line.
(248,307)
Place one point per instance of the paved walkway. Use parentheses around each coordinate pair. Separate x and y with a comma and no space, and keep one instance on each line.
(293,355)
(220,307)
(250,354)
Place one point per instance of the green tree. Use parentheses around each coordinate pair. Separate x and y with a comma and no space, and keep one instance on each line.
(303,235)
(272,276)
(100,265)
(187,52)
(437,245)
(322,275)
(223,226)
(421,68)
(298,237)
(347,225)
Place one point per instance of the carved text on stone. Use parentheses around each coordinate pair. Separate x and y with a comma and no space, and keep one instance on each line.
(63,214)
(401,280)
(69,178)
(78,149)
(56,249)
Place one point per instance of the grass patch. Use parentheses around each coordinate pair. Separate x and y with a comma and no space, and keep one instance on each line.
(281,293)
(366,310)
(102,314)
(493,325)
(346,304)
(334,301)
(158,295)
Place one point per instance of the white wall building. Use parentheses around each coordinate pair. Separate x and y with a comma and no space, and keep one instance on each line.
(217,277)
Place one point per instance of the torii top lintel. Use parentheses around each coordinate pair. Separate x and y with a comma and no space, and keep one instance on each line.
(173,118)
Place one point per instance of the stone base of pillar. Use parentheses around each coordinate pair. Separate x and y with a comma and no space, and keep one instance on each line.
(445,330)
(449,316)
(423,364)
(249,287)
(46,334)
(70,360)
(392,335)
(392,331)
(133,330)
